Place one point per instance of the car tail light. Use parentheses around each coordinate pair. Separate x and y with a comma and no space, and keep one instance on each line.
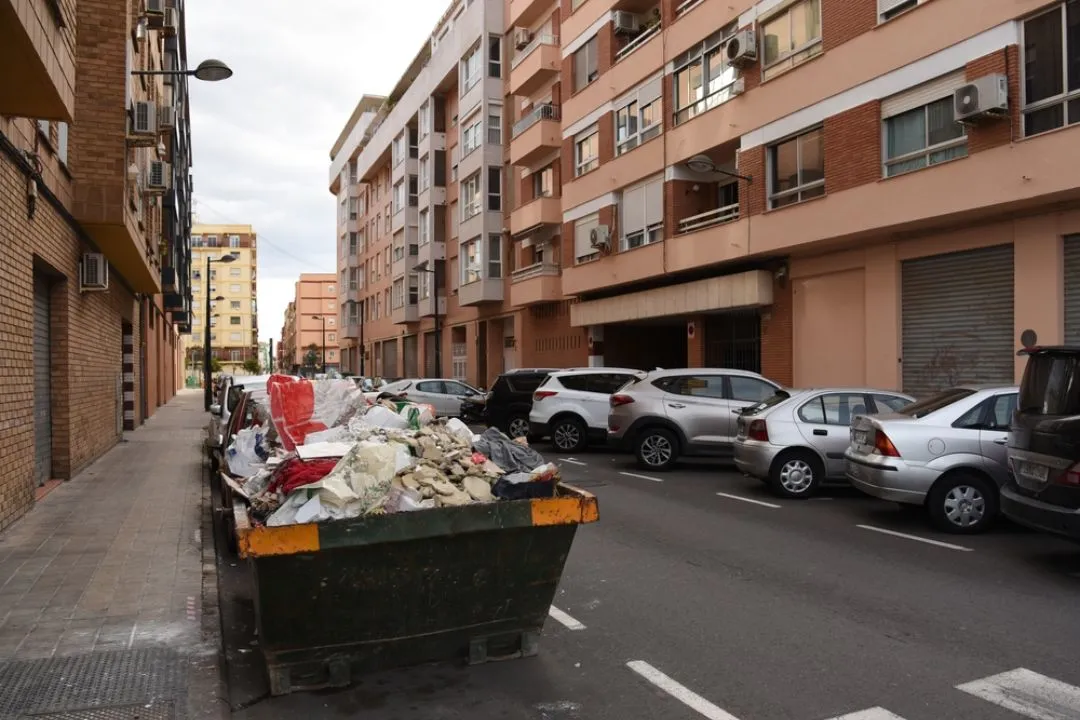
(758,430)
(619,399)
(541,394)
(884,445)
(1070,477)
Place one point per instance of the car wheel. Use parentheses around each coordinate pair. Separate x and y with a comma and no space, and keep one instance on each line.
(656,449)
(518,426)
(962,503)
(796,474)
(568,435)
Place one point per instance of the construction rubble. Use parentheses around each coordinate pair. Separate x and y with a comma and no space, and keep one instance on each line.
(319,450)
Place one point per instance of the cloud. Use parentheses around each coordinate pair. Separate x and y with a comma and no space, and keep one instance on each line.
(261,140)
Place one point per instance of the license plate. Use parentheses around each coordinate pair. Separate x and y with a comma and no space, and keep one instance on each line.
(860,437)
(1032,471)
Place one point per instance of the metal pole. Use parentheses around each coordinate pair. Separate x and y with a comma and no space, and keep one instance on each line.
(270,356)
(323,344)
(363,309)
(438,330)
(207,379)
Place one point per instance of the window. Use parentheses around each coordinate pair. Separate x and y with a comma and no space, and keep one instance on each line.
(399,245)
(399,293)
(211,241)
(331,354)
(470,261)
(234,272)
(196,275)
(494,255)
(414,193)
(236,337)
(494,56)
(583,249)
(196,289)
(640,118)
(387,213)
(331,289)
(399,196)
(234,355)
(234,288)
(586,151)
(1051,384)
(423,236)
(927,135)
(494,130)
(703,79)
(748,389)
(890,403)
(234,241)
(62,142)
(234,320)
(43,128)
(544,182)
(353,243)
(398,150)
(470,196)
(494,189)
(424,120)
(791,37)
(832,409)
(234,304)
(414,287)
(196,241)
(586,68)
(424,171)
(797,169)
(470,137)
(888,9)
(1051,65)
(641,214)
(470,70)
(708,386)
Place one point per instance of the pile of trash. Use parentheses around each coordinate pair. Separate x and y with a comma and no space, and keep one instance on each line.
(320,450)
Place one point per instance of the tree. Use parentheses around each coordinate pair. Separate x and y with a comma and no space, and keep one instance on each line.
(215,365)
(251,366)
(312,357)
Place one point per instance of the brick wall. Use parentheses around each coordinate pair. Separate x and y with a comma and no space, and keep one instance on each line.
(605,48)
(843,20)
(566,87)
(853,148)
(776,336)
(606,127)
(546,339)
(682,201)
(752,195)
(995,133)
(566,158)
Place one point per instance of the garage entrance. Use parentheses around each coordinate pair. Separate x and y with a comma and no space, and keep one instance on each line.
(733,340)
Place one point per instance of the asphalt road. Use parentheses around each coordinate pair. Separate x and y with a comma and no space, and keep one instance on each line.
(699,595)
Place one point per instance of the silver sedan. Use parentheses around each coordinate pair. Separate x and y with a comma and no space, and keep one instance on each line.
(946,453)
(795,440)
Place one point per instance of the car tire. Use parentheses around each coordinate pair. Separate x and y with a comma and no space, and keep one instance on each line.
(656,449)
(962,503)
(796,474)
(569,434)
(517,426)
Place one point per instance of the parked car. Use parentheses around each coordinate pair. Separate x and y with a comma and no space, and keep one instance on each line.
(946,453)
(229,395)
(795,442)
(508,404)
(1043,491)
(443,394)
(666,414)
(571,406)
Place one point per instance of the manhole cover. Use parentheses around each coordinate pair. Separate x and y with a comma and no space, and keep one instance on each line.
(153,711)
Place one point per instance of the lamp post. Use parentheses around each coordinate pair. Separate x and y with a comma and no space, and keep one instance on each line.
(207,371)
(323,318)
(209,70)
(438,330)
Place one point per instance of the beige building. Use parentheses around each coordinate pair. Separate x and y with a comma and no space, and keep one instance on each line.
(234,320)
(311,327)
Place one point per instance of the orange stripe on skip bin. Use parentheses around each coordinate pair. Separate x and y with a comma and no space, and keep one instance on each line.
(565,510)
(283,540)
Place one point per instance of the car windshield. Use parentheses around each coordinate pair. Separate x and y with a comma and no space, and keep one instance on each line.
(922,408)
(1051,384)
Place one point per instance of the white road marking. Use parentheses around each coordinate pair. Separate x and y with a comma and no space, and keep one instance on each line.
(1029,694)
(762,503)
(565,620)
(928,541)
(680,692)
(643,477)
(572,461)
(874,713)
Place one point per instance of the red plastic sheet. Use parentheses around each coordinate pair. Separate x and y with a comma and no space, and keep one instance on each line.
(292,403)
(295,472)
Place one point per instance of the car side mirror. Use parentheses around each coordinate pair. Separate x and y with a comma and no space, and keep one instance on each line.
(215,409)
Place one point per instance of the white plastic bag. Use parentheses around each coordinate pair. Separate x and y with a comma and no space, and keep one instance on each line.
(458,428)
(384,417)
(240,456)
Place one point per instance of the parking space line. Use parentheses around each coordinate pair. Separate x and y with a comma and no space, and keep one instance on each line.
(643,477)
(916,538)
(1027,693)
(680,692)
(762,503)
(572,461)
(874,713)
(565,620)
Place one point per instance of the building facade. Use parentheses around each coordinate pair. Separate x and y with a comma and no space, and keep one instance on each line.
(310,336)
(94,231)
(234,319)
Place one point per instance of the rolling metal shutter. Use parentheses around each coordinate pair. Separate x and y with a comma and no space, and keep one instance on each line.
(1072,290)
(429,355)
(42,384)
(389,359)
(412,355)
(957,318)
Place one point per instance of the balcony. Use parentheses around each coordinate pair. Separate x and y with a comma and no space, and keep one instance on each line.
(110,209)
(407,217)
(427,306)
(526,12)
(404,261)
(431,252)
(535,135)
(535,64)
(408,166)
(354,225)
(355,188)
(351,330)
(479,292)
(536,284)
(431,196)
(700,221)
(539,212)
(37,65)
(353,293)
(405,314)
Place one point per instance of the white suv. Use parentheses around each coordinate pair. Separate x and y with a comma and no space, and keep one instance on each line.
(571,406)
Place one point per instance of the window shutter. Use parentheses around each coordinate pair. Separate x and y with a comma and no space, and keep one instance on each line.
(654,202)
(920,95)
(650,91)
(631,215)
(885,6)
(582,230)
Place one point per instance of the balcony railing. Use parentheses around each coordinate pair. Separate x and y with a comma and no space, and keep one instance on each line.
(547,111)
(537,41)
(709,218)
(686,6)
(637,42)
(536,270)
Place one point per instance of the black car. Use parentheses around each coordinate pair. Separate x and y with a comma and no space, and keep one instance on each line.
(508,404)
(1043,491)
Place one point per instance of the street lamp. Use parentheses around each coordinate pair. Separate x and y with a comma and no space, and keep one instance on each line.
(323,318)
(207,372)
(438,331)
(209,70)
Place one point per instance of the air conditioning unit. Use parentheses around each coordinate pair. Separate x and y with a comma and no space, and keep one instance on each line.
(143,118)
(625,23)
(522,37)
(171,23)
(93,273)
(166,119)
(600,237)
(986,97)
(154,7)
(742,48)
(159,176)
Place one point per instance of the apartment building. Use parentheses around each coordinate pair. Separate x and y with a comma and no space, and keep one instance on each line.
(234,318)
(310,336)
(427,273)
(826,191)
(95,198)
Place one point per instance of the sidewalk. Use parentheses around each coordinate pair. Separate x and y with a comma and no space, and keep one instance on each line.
(102,585)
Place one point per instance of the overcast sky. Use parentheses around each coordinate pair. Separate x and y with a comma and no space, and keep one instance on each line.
(261,140)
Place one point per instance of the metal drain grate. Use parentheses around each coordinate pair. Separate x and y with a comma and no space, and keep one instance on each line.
(153,711)
(98,682)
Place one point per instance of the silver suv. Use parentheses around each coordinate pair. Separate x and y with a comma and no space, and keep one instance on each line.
(692,412)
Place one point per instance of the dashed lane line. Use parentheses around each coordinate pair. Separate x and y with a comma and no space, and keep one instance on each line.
(752,501)
(572,461)
(678,691)
(642,477)
(1028,693)
(565,620)
(874,713)
(916,538)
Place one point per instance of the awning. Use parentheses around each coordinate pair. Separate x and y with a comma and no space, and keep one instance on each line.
(727,292)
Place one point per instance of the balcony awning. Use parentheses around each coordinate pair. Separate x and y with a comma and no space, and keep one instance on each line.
(727,292)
